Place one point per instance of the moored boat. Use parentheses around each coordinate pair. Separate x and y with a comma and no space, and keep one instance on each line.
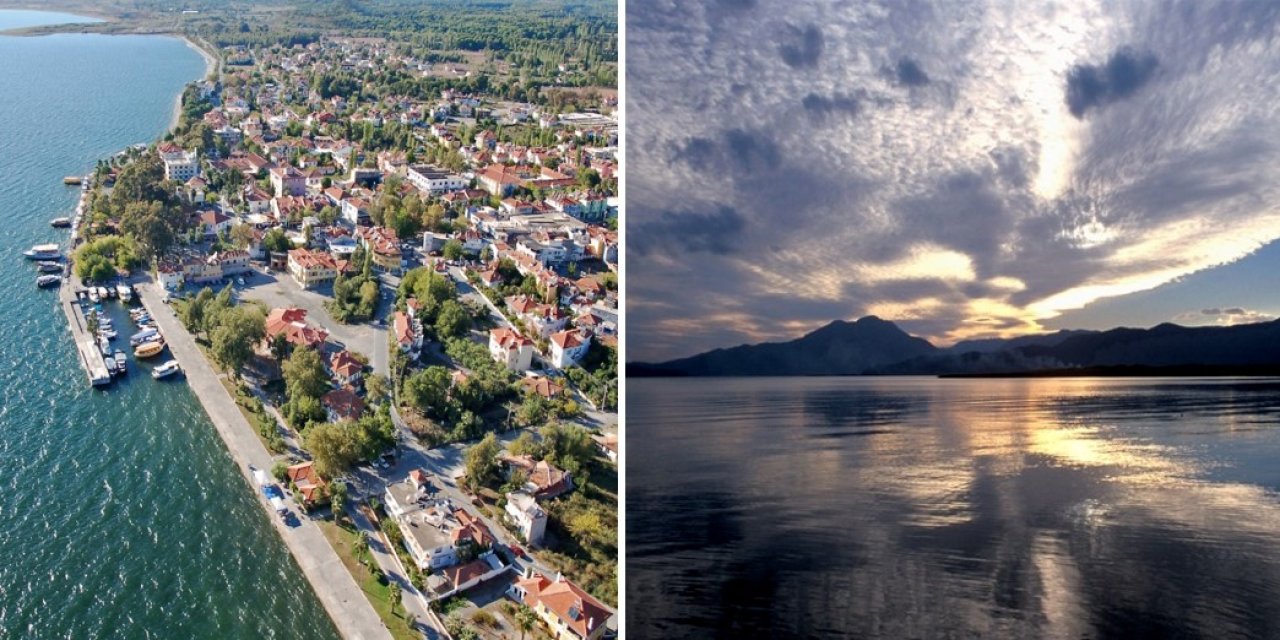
(103,294)
(43,252)
(48,267)
(165,370)
(146,335)
(104,345)
(60,223)
(149,349)
(122,363)
(48,281)
(124,292)
(72,180)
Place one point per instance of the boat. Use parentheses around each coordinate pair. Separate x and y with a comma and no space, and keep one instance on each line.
(149,349)
(165,370)
(60,223)
(48,281)
(108,333)
(124,292)
(103,294)
(93,296)
(122,363)
(72,180)
(104,346)
(111,366)
(48,267)
(43,252)
(143,336)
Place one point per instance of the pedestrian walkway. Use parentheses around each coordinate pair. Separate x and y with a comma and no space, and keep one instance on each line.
(332,583)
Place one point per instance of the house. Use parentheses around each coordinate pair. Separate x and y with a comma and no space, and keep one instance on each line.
(542,386)
(461,577)
(407,335)
(511,349)
(309,484)
(346,368)
(288,181)
(434,181)
(500,179)
(179,165)
(568,347)
(231,262)
(311,269)
(291,323)
(197,271)
(527,517)
(436,533)
(543,480)
(490,277)
(342,404)
(383,246)
(355,210)
(257,200)
(169,275)
(213,223)
(562,605)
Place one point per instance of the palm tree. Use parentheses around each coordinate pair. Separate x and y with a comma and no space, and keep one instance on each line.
(525,620)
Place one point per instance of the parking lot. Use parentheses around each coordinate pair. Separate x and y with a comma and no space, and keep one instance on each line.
(278,289)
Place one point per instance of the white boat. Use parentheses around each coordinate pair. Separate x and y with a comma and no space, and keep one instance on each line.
(122,363)
(124,292)
(43,252)
(103,294)
(48,267)
(165,370)
(93,295)
(143,336)
(48,281)
(104,345)
(109,334)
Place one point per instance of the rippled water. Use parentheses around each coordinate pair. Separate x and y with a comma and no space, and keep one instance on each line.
(121,514)
(925,508)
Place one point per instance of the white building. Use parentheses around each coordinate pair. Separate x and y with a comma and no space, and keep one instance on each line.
(181,166)
(434,181)
(511,349)
(529,519)
(568,347)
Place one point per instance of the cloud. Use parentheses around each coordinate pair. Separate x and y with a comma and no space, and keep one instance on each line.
(1224,317)
(908,73)
(802,47)
(1090,86)
(764,202)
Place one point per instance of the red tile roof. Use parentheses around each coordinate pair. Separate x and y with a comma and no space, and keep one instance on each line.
(573,606)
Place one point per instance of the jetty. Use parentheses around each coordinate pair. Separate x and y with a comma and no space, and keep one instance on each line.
(86,343)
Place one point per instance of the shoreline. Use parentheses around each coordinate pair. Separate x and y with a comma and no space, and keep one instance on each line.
(350,610)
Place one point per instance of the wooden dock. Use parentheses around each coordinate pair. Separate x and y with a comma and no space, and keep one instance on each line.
(86,343)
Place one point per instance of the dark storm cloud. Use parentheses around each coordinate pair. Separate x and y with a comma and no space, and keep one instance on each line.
(746,151)
(716,232)
(801,47)
(908,73)
(1090,86)
(823,106)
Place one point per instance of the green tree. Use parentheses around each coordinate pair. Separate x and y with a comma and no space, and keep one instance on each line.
(275,240)
(526,445)
(428,390)
(377,388)
(526,620)
(482,462)
(333,446)
(232,342)
(304,374)
(242,236)
(452,250)
(452,321)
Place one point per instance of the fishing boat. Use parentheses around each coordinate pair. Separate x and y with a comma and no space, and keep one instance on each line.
(149,349)
(122,363)
(60,223)
(124,292)
(43,252)
(48,281)
(48,267)
(146,335)
(165,370)
(72,180)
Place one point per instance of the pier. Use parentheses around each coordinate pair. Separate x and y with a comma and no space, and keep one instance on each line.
(86,343)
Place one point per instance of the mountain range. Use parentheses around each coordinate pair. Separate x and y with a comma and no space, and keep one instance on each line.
(871,346)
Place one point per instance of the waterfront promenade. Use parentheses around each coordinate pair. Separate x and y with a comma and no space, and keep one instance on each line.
(333,584)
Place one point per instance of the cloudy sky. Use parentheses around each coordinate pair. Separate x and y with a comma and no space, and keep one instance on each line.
(965,169)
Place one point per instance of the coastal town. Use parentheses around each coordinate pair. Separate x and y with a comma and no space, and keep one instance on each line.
(393,285)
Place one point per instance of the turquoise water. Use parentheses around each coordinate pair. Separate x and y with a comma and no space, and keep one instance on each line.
(121,514)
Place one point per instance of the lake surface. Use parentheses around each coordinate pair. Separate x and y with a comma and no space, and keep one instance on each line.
(926,508)
(121,514)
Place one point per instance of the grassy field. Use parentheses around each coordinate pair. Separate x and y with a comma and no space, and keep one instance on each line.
(345,541)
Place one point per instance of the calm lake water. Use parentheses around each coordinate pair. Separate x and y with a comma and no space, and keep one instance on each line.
(121,514)
(926,508)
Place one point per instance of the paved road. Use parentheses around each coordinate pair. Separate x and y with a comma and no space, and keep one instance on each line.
(333,584)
